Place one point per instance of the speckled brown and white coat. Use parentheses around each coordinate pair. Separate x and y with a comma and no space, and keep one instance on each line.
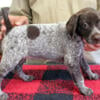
(52,41)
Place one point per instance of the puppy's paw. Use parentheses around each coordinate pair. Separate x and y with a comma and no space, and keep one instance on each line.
(86,91)
(3,96)
(94,76)
(29,78)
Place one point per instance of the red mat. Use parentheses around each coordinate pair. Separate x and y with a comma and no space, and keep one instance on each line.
(52,82)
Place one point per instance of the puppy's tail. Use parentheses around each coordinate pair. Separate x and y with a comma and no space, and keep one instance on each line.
(6,20)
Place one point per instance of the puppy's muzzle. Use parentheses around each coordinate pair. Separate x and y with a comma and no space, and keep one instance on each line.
(96,38)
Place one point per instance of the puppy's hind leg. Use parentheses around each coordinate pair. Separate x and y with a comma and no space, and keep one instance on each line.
(9,61)
(20,72)
(3,95)
(5,68)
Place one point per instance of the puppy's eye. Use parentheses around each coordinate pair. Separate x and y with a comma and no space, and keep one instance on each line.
(85,25)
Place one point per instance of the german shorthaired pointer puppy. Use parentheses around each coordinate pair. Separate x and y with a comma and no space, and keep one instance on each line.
(52,41)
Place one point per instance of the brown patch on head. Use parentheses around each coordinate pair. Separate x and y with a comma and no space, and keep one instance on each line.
(83,22)
(86,22)
(86,10)
(32,32)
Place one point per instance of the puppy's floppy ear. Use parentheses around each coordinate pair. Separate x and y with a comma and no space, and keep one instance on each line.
(72,25)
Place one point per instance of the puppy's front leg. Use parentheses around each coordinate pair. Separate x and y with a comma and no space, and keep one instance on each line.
(74,69)
(87,70)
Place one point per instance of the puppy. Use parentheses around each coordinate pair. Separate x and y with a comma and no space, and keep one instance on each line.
(52,41)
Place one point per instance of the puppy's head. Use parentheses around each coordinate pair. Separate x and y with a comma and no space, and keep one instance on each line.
(85,23)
